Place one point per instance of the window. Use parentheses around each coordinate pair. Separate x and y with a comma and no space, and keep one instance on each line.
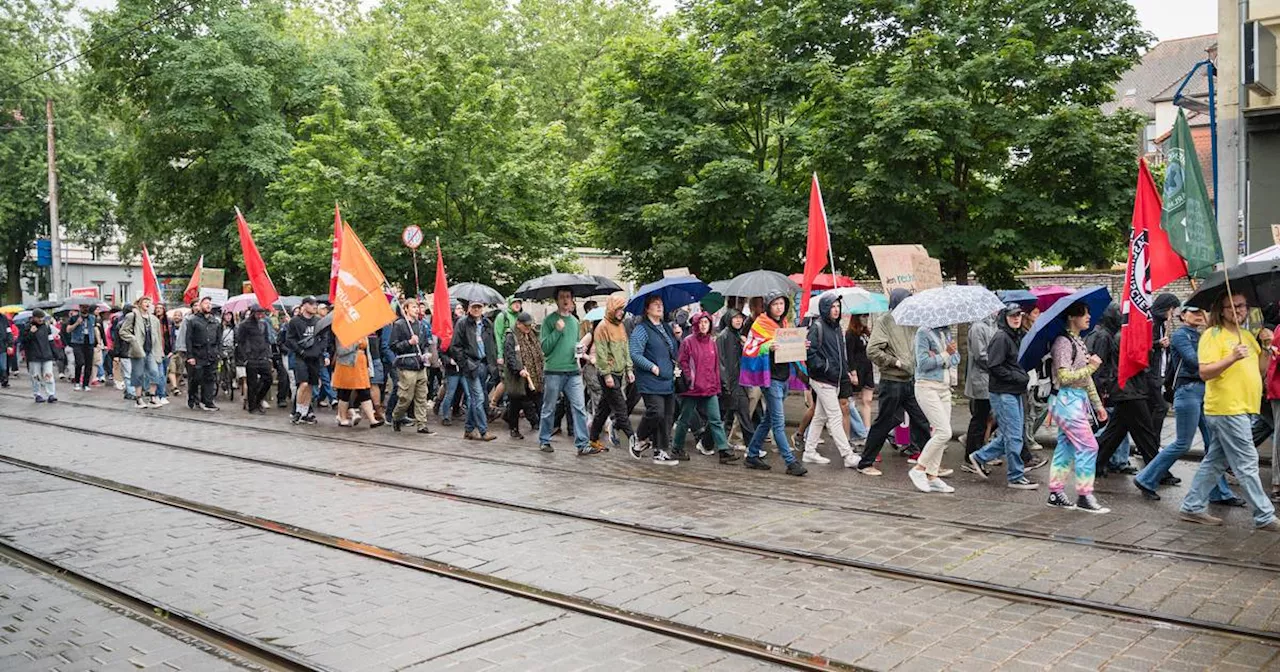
(122,297)
(1149,138)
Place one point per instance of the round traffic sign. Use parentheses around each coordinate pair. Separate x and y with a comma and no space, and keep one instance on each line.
(412,236)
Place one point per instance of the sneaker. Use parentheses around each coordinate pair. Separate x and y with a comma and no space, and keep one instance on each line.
(1201,518)
(665,458)
(162,401)
(1035,463)
(1170,479)
(296,417)
(52,399)
(590,451)
(1059,501)
(75,388)
(813,457)
(208,407)
(938,485)
(705,450)
(546,448)
(913,457)
(918,479)
(483,436)
(680,454)
(39,399)
(637,447)
(796,469)
(153,402)
(756,463)
(946,472)
(1273,526)
(739,448)
(446,422)
(139,403)
(977,467)
(515,434)
(1089,504)
(427,431)
(1233,501)
(852,461)
(129,397)
(1147,493)
(728,456)
(119,385)
(1023,484)
(470,436)
(309,418)
(870,471)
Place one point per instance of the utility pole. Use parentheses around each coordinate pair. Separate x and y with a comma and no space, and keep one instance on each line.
(55,238)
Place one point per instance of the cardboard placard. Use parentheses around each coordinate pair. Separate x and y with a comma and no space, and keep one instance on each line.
(676,272)
(217,295)
(213,277)
(906,266)
(788,345)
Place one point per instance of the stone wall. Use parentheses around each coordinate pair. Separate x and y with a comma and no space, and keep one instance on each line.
(1112,280)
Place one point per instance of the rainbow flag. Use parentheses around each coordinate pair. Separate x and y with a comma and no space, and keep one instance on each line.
(754,369)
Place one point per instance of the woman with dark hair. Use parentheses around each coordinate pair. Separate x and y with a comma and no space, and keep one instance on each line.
(653,354)
(861,377)
(1072,372)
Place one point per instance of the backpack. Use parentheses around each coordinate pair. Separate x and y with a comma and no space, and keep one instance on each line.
(119,347)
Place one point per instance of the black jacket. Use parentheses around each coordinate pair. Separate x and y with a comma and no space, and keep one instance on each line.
(826,357)
(409,356)
(36,346)
(204,338)
(466,351)
(729,349)
(1105,343)
(5,336)
(303,338)
(1006,375)
(252,346)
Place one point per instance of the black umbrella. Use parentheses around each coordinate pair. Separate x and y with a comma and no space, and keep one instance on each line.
(1259,281)
(44,305)
(546,286)
(74,304)
(758,283)
(476,293)
(606,286)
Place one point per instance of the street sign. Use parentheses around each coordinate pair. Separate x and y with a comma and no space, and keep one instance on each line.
(412,236)
(85,292)
(44,252)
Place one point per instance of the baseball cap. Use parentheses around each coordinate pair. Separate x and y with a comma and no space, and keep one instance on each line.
(525,318)
(1012,309)
(1184,308)
(309,299)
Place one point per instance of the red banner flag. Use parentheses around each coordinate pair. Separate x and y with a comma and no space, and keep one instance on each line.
(254,266)
(337,253)
(150,283)
(441,309)
(819,245)
(192,292)
(1152,264)
(359,306)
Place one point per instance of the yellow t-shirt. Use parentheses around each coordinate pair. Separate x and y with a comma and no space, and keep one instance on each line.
(1238,391)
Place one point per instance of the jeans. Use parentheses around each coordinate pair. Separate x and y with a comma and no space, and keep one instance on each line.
(1188,415)
(1007,442)
(1230,443)
(42,379)
(897,396)
(689,410)
(143,373)
(1275,447)
(775,395)
(126,371)
(326,386)
(570,384)
(857,430)
(4,366)
(477,403)
(162,378)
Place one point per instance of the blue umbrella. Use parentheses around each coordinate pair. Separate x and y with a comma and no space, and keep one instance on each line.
(595,315)
(1051,324)
(1022,297)
(675,292)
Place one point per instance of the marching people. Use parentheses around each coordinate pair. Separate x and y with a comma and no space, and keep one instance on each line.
(699,364)
(862,377)
(734,403)
(1073,368)
(1232,362)
(352,384)
(253,353)
(562,375)
(82,325)
(654,350)
(892,349)
(523,362)
(828,368)
(976,382)
(614,367)
(936,357)
(304,340)
(6,349)
(1129,412)
(1007,383)
(760,344)
(37,347)
(476,353)
(141,330)
(410,340)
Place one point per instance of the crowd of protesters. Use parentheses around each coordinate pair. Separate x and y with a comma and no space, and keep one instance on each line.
(583,380)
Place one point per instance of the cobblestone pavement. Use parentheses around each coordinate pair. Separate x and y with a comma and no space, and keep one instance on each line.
(849,615)
(336,609)
(46,624)
(1135,522)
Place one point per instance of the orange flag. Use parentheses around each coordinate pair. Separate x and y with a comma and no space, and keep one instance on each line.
(359,306)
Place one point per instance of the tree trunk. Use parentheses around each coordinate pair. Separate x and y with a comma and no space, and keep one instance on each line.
(13,278)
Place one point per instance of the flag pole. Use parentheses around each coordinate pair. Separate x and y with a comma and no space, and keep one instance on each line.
(826,224)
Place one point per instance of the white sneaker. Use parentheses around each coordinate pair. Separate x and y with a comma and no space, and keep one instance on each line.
(664,458)
(153,402)
(119,385)
(162,401)
(919,479)
(945,472)
(822,441)
(812,456)
(936,485)
(739,447)
(852,461)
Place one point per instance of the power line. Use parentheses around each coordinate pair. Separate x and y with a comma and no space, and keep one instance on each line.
(183,4)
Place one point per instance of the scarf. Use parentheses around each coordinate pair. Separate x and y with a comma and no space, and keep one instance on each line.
(530,350)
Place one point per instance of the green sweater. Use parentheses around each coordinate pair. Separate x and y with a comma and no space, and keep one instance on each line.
(559,345)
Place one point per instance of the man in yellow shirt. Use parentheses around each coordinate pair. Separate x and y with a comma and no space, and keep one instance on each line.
(1231,364)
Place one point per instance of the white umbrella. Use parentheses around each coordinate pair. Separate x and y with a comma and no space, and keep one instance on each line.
(945,306)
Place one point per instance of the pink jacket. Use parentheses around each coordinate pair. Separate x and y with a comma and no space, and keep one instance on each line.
(699,360)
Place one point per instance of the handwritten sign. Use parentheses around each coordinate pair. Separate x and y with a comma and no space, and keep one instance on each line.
(788,345)
(906,266)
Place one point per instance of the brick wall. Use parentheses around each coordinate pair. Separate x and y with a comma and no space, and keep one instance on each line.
(1112,280)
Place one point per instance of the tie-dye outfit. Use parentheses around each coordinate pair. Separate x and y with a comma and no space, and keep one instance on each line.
(1073,377)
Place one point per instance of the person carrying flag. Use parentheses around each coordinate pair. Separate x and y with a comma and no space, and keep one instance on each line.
(411,341)
(760,345)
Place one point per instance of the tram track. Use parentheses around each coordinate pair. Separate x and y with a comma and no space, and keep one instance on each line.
(1261,565)
(817,559)
(172,620)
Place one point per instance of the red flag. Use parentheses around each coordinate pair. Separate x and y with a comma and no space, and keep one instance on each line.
(1153,263)
(337,253)
(815,256)
(254,266)
(192,292)
(441,310)
(150,284)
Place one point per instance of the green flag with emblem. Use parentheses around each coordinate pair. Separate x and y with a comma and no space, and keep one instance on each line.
(1188,215)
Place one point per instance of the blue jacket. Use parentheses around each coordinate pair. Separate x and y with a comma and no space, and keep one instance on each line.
(1185,343)
(653,345)
(84,333)
(934,366)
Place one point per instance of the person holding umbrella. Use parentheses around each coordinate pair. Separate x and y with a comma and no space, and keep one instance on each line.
(476,351)
(559,337)
(1231,363)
